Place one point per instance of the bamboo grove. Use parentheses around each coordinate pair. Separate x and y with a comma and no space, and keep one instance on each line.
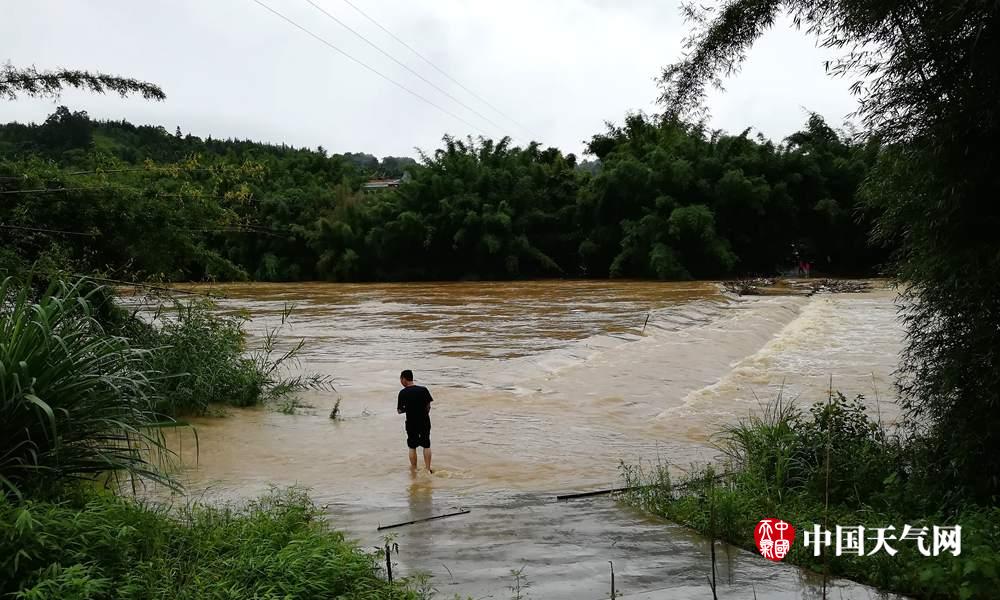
(653,199)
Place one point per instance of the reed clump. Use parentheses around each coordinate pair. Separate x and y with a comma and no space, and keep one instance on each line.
(76,401)
(201,357)
(833,464)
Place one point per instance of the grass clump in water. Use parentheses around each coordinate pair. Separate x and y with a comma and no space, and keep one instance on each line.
(201,357)
(832,465)
(87,388)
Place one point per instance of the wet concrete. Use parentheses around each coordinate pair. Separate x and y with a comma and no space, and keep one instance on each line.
(564,549)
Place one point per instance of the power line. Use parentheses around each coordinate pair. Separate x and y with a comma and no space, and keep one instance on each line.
(434,66)
(52,190)
(405,66)
(177,170)
(244,229)
(44,230)
(168,169)
(146,285)
(372,69)
(117,188)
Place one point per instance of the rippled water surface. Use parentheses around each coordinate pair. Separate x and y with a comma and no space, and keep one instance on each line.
(539,387)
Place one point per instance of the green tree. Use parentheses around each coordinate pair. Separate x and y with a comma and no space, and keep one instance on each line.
(928,88)
(147,203)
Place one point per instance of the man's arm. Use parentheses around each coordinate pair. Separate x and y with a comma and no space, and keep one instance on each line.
(400,405)
(429,400)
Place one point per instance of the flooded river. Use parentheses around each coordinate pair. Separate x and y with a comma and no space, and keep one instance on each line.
(540,388)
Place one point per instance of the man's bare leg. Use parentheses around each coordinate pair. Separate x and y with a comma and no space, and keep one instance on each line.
(427,459)
(413,459)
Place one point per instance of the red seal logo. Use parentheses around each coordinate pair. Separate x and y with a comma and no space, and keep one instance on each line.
(774,538)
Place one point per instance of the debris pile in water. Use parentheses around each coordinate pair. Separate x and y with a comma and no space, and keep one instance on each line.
(764,286)
(749,287)
(833,286)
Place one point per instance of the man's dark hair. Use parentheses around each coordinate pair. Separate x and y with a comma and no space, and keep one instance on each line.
(407,375)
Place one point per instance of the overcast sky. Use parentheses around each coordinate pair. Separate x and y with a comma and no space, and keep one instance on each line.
(558,68)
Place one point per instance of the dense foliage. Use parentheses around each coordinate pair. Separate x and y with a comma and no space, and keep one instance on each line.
(105,548)
(74,399)
(673,202)
(199,357)
(86,387)
(662,200)
(833,465)
(83,384)
(928,86)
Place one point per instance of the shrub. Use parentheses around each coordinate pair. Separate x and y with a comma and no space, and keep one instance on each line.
(74,400)
(860,453)
(200,357)
(832,465)
(274,547)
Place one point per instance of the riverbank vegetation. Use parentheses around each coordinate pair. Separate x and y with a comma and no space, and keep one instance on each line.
(87,391)
(187,354)
(202,358)
(928,90)
(830,465)
(89,383)
(663,200)
(87,387)
(91,546)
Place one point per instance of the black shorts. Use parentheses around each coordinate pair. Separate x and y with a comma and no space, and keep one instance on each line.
(418,437)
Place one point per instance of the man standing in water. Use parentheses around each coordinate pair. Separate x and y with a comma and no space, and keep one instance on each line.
(415,402)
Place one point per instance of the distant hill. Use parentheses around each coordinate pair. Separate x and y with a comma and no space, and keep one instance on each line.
(66,131)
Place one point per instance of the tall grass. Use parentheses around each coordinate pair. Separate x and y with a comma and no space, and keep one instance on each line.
(82,387)
(198,358)
(764,448)
(85,385)
(276,547)
(74,400)
(831,465)
(201,357)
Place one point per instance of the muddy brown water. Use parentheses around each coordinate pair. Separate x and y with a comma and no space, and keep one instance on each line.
(540,388)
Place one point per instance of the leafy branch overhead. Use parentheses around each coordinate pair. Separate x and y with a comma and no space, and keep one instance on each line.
(907,58)
(33,83)
(927,85)
(716,48)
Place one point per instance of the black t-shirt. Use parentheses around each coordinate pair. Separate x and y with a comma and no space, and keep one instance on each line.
(415,401)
